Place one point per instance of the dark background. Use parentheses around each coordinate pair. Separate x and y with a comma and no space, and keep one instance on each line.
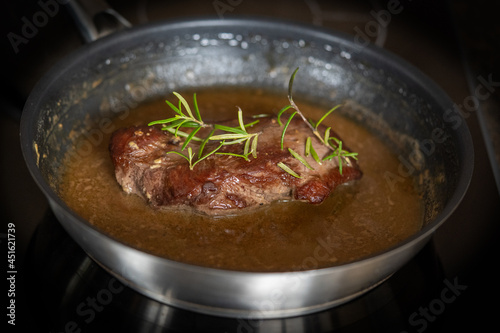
(453,42)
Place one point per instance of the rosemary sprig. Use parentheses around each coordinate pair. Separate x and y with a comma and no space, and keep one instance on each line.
(332,143)
(294,106)
(339,153)
(181,119)
(185,117)
(193,120)
(190,155)
(239,135)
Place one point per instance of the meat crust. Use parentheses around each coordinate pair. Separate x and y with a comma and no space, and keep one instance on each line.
(221,184)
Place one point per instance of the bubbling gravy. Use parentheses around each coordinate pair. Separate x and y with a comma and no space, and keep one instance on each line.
(356,221)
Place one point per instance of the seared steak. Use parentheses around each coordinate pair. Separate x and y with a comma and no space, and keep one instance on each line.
(221,183)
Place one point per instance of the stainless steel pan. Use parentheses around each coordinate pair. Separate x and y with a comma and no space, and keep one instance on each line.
(108,77)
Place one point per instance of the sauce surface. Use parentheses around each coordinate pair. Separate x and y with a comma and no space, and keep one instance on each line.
(356,221)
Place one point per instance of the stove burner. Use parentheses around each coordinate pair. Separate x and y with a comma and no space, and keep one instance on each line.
(76,295)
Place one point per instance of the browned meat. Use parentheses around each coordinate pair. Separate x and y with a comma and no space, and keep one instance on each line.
(220,183)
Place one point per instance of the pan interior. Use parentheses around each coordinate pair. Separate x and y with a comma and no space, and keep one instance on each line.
(112,77)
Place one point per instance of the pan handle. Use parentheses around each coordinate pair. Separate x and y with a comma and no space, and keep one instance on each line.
(96,19)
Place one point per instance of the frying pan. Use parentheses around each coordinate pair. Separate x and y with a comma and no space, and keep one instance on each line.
(108,77)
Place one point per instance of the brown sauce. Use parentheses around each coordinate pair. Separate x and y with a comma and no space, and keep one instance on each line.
(358,220)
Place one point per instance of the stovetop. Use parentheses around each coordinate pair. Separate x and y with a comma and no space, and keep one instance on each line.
(84,296)
(446,287)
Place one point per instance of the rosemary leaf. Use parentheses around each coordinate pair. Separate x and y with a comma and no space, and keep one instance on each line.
(314,154)
(261,115)
(352,155)
(190,136)
(340,156)
(230,129)
(177,153)
(252,123)
(176,109)
(300,158)
(164,121)
(281,112)
(234,142)
(182,134)
(240,120)
(189,123)
(308,146)
(310,151)
(228,137)
(184,103)
(204,157)
(254,146)
(327,134)
(288,170)
(203,144)
(337,154)
(330,157)
(326,115)
(181,123)
(290,85)
(246,149)
(179,126)
(284,129)
(334,142)
(191,154)
(196,109)
(235,155)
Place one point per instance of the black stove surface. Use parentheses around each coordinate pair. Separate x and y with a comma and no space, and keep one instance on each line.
(79,295)
(66,291)
(449,286)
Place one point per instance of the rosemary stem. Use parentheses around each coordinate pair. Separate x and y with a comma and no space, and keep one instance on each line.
(311,127)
